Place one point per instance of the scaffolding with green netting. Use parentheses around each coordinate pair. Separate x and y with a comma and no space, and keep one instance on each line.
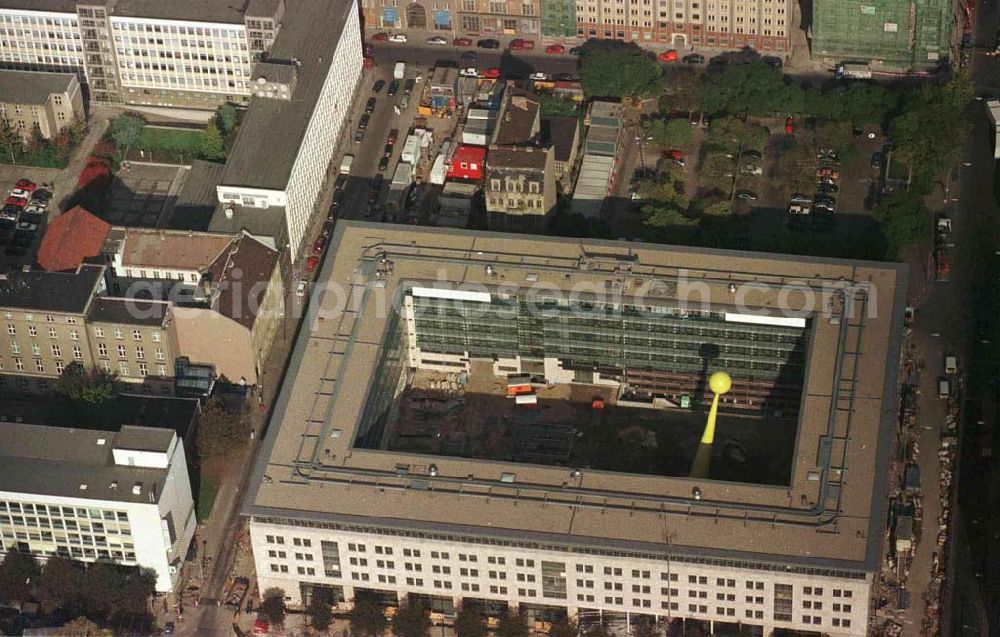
(559,18)
(889,34)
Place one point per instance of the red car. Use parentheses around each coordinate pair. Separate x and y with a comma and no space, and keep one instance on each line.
(790,126)
(668,56)
(311,264)
(15,201)
(368,63)
(522,45)
(462,42)
(491,73)
(25,184)
(380,37)
(319,245)
(555,49)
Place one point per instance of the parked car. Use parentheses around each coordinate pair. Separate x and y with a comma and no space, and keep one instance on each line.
(404,101)
(374,189)
(564,77)
(469,72)
(10,213)
(469,58)
(675,156)
(26,184)
(359,136)
(877,158)
(491,73)
(694,118)
(694,58)
(399,38)
(370,105)
(828,172)
(519,44)
(168,628)
(363,122)
(746,195)
(27,226)
(538,77)
(319,246)
(408,86)
(20,202)
(488,43)
(41,195)
(462,42)
(437,39)
(393,88)
(668,56)
(34,209)
(383,163)
(799,197)
(393,136)
(17,192)
(576,50)
(790,126)
(367,50)
(555,49)
(828,188)
(378,86)
(380,37)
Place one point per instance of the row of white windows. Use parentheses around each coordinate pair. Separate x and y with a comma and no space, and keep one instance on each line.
(177,30)
(60,367)
(74,335)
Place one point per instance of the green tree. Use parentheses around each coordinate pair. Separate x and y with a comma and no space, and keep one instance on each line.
(11,140)
(751,88)
(512,625)
(226,118)
(411,620)
(272,607)
(930,134)
(619,72)
(904,221)
(666,215)
(220,431)
(18,574)
(551,106)
(93,386)
(60,582)
(730,133)
(646,627)
(367,619)
(716,207)
(83,627)
(598,630)
(212,146)
(126,130)
(565,628)
(320,609)
(676,132)
(469,623)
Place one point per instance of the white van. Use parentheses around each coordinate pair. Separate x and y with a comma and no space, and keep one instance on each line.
(950,364)
(400,71)
(345,164)
(944,388)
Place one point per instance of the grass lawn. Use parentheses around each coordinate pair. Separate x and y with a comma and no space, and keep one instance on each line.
(207,491)
(170,145)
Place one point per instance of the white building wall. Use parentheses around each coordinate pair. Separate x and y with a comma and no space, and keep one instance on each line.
(181,55)
(178,501)
(45,40)
(658,586)
(320,140)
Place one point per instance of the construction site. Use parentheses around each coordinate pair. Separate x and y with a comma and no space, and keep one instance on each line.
(528,420)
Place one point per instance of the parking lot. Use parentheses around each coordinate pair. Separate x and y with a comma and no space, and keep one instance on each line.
(23,219)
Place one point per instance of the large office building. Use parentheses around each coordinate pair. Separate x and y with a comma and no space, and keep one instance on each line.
(122,496)
(764,25)
(191,53)
(898,35)
(301,101)
(500,421)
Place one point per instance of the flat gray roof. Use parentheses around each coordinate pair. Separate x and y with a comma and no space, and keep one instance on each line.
(221,11)
(198,197)
(32,87)
(831,513)
(57,461)
(58,6)
(42,291)
(272,131)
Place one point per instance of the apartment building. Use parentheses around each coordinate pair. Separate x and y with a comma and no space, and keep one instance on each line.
(38,101)
(438,15)
(184,53)
(122,496)
(394,504)
(280,159)
(521,18)
(764,25)
(130,338)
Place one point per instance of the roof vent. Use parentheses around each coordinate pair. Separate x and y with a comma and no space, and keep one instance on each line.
(101,442)
(114,485)
(229,212)
(137,488)
(83,486)
(507,477)
(432,470)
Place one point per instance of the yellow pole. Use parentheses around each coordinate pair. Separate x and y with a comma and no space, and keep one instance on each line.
(719,383)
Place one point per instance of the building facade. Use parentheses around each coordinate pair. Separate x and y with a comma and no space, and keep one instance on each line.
(520,188)
(894,36)
(764,25)
(520,18)
(38,101)
(438,15)
(130,339)
(146,54)
(123,496)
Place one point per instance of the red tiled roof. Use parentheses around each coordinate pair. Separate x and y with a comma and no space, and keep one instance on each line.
(72,237)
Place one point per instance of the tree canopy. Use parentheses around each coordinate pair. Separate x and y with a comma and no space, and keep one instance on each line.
(512,625)
(272,607)
(619,72)
(126,129)
(367,618)
(219,430)
(751,88)
(411,620)
(469,623)
(320,609)
(212,147)
(18,573)
(675,132)
(904,221)
(93,386)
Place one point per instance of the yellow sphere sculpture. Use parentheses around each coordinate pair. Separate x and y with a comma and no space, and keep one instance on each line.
(720,383)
